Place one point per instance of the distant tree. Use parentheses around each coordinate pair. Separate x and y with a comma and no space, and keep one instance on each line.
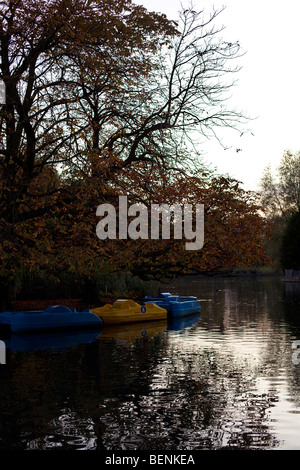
(281,193)
(280,196)
(290,244)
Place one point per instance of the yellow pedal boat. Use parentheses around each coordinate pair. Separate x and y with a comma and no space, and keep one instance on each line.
(128,311)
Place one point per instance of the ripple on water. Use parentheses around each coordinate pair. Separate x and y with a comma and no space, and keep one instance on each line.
(226,382)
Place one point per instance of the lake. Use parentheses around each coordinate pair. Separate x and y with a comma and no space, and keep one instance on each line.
(226,379)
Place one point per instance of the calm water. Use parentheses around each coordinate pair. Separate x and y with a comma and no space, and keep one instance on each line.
(225,379)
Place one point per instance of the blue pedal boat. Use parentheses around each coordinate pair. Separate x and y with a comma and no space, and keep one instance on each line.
(51,318)
(176,305)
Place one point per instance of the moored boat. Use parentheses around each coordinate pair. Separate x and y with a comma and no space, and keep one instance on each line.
(128,311)
(51,318)
(176,305)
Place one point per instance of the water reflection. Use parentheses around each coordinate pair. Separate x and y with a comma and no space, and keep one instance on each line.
(178,324)
(222,380)
(131,332)
(52,340)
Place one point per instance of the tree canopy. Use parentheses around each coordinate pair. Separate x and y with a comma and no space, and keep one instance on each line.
(281,192)
(105,98)
(280,198)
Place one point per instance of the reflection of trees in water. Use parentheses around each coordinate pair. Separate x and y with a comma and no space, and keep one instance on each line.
(292,290)
(194,401)
(291,302)
(174,391)
(291,316)
(150,394)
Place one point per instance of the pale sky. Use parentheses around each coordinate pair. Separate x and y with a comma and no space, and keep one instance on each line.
(268,84)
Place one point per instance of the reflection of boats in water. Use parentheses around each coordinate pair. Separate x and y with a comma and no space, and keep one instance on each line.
(53,340)
(177,324)
(58,340)
(130,332)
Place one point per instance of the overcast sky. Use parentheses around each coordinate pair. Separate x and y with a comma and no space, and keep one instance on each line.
(268,84)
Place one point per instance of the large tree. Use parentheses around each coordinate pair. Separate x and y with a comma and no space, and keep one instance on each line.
(100,79)
(93,88)
(47,52)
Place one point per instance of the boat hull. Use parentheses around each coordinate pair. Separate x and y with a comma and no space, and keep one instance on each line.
(127,311)
(52,318)
(176,305)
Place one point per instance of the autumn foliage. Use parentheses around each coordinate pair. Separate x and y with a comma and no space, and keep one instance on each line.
(100,99)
